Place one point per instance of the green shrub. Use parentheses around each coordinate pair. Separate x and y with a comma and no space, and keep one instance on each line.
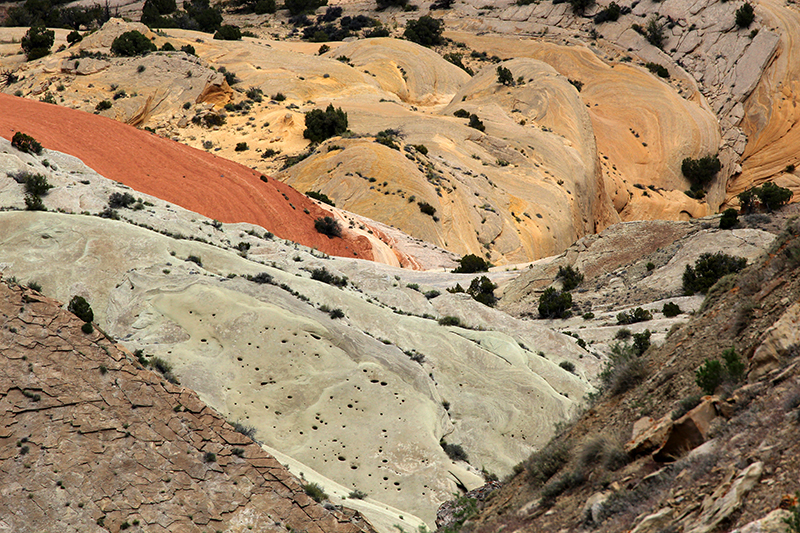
(321,125)
(241,147)
(708,269)
(772,196)
(579,6)
(195,259)
(189,49)
(356,494)
(87,328)
(671,309)
(449,321)
(244,429)
(745,15)
(37,42)
(654,32)
(426,208)
(322,274)
(657,69)
(37,185)
(588,316)
(34,203)
(454,451)
(555,487)
(167,47)
(729,219)
(634,316)
(209,457)
(622,334)
(569,366)
(79,307)
(461,113)
(426,31)
(472,263)
(296,7)
(26,143)
(504,76)
(228,32)
(132,43)
(547,462)
(555,304)
(641,342)
(74,37)
(734,366)
(316,195)
(383,4)
(315,492)
(328,226)
(709,376)
(103,105)
(570,277)
(265,6)
(701,171)
(623,371)
(482,290)
(609,14)
(118,200)
(475,122)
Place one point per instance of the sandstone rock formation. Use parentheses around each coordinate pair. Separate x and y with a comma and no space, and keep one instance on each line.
(91,441)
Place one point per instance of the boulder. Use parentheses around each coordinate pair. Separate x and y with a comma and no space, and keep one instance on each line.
(725,500)
(772,523)
(779,342)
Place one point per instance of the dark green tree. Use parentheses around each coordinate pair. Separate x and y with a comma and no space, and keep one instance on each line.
(37,42)
(745,15)
(708,269)
(773,196)
(426,31)
(701,171)
(321,125)
(79,307)
(132,43)
(728,219)
(227,32)
(482,290)
(555,304)
(505,76)
(472,263)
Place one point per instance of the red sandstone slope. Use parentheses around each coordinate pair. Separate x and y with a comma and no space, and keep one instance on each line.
(193,179)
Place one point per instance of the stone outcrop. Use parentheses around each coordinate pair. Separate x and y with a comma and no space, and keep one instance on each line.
(91,441)
(778,344)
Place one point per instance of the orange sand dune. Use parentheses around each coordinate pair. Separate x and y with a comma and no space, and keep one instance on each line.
(193,179)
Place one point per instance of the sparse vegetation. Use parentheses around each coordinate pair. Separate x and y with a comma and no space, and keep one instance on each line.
(315,492)
(708,269)
(657,69)
(624,369)
(609,14)
(701,171)
(449,321)
(713,372)
(569,366)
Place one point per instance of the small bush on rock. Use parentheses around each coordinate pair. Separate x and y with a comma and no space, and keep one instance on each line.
(472,263)
(132,43)
(708,269)
(321,125)
(555,304)
(79,307)
(328,226)
(26,143)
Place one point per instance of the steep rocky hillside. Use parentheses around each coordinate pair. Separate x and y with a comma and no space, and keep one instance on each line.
(91,441)
(651,455)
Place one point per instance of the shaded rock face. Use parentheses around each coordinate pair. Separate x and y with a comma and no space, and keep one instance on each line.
(90,441)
